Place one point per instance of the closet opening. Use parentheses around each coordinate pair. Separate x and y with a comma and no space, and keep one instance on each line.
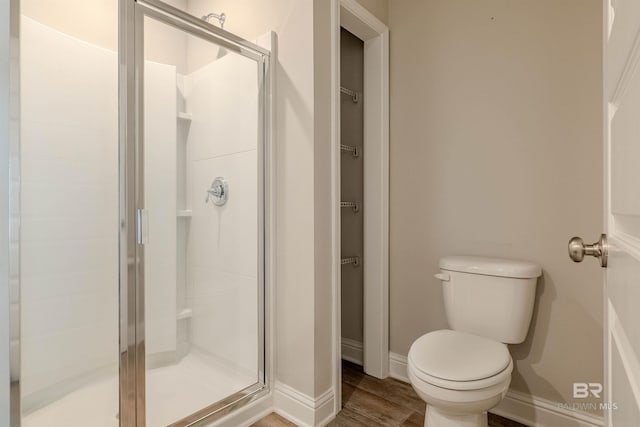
(360,189)
(351,195)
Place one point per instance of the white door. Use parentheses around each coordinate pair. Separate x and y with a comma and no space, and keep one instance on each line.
(622,211)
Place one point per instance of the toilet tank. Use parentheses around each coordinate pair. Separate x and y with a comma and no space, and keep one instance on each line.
(491,297)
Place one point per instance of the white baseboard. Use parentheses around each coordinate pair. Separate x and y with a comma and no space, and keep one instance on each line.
(302,409)
(523,408)
(297,407)
(352,351)
(249,414)
(539,412)
(398,367)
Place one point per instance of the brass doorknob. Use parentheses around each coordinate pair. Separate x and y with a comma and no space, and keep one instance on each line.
(600,250)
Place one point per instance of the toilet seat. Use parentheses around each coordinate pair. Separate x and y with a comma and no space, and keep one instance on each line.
(459,361)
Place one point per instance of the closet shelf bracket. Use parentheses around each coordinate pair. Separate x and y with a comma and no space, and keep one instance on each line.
(355,151)
(354,260)
(353,205)
(355,96)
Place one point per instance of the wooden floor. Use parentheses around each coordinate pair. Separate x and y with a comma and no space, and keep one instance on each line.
(368,402)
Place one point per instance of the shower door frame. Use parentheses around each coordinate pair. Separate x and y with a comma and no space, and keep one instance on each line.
(131,174)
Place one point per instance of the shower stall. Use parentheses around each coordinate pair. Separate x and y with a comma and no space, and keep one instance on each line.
(141,216)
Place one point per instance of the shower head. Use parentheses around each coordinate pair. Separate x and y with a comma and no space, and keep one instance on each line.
(220,17)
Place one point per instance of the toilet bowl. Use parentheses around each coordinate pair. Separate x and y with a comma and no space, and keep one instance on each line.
(460,376)
(464,371)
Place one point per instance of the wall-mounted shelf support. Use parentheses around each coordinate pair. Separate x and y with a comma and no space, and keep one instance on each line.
(354,260)
(355,151)
(353,205)
(185,313)
(185,116)
(355,96)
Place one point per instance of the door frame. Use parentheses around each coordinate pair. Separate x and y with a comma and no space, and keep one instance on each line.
(624,245)
(350,15)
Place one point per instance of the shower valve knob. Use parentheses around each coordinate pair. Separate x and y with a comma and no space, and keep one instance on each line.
(218,193)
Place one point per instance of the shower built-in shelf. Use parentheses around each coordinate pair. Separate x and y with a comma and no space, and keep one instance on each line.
(355,151)
(185,213)
(185,116)
(185,313)
(354,260)
(355,206)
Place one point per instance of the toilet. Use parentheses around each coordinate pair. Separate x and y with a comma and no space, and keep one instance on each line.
(464,371)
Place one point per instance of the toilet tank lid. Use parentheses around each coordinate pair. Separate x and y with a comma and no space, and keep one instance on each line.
(491,266)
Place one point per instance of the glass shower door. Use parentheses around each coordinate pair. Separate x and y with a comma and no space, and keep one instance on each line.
(64,348)
(199,197)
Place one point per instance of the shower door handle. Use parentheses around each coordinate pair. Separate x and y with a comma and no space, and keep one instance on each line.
(142,226)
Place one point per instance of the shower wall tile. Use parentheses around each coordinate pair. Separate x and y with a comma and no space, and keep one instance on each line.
(160,198)
(81,85)
(15,166)
(14,92)
(62,283)
(14,291)
(55,228)
(14,229)
(224,237)
(14,131)
(74,155)
(94,305)
(14,260)
(42,259)
(91,355)
(225,322)
(223,254)
(14,314)
(223,98)
(222,246)
(53,200)
(69,209)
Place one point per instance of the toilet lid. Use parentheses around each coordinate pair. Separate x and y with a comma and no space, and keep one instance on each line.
(458,356)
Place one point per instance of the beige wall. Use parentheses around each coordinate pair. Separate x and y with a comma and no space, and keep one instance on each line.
(322,223)
(492,102)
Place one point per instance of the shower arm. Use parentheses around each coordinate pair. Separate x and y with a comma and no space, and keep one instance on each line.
(220,17)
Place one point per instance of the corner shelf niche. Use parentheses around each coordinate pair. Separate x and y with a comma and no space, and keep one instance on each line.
(183,214)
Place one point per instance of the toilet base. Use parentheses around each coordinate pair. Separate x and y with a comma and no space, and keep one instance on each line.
(437,418)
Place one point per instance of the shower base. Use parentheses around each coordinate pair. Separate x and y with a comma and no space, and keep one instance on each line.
(173,392)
